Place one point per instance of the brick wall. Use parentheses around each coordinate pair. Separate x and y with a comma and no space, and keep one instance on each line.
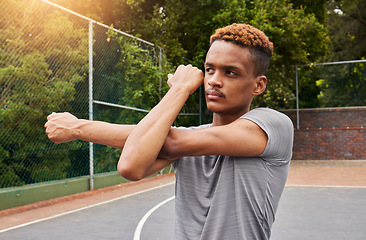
(330,133)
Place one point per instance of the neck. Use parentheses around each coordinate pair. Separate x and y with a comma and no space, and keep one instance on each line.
(220,119)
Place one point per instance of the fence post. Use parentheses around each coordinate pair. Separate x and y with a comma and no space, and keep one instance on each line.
(160,69)
(297,101)
(91,155)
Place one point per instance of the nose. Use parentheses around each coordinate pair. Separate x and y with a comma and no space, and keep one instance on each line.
(213,80)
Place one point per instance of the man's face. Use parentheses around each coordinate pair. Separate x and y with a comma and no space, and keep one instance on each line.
(230,83)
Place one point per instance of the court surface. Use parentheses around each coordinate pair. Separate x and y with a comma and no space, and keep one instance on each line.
(332,206)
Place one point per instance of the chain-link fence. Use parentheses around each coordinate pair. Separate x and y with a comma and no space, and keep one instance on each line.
(337,84)
(54,60)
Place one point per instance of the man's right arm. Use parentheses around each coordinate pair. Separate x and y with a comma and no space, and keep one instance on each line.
(64,127)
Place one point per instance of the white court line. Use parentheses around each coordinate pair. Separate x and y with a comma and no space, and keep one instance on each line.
(324,186)
(83,208)
(146,216)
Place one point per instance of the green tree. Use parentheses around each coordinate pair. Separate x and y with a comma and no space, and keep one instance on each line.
(298,39)
(301,32)
(130,76)
(345,85)
(183,29)
(347,29)
(41,60)
(316,7)
(97,10)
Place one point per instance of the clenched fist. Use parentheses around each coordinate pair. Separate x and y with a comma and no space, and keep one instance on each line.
(186,77)
(61,127)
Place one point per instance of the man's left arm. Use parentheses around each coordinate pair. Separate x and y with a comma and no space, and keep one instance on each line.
(239,138)
(144,143)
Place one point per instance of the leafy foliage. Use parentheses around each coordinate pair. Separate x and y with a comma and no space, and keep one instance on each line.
(37,77)
(347,29)
(44,69)
(132,79)
(183,29)
(298,38)
(345,85)
(303,32)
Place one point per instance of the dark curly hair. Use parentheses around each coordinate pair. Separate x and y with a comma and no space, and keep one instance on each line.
(248,36)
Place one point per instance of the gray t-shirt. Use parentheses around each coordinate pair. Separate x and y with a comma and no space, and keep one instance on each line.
(225,197)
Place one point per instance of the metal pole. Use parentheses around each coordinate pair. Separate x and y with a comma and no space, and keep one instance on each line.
(160,86)
(91,155)
(160,69)
(297,101)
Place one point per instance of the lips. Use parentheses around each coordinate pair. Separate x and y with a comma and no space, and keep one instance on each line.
(214,94)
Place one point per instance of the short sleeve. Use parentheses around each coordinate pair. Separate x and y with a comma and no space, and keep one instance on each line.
(176,162)
(280,131)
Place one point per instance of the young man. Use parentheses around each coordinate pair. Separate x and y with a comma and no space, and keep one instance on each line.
(229,174)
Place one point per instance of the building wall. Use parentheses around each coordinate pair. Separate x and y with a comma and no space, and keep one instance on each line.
(329,133)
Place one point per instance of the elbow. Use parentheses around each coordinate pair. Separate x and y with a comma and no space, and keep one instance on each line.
(170,149)
(129,171)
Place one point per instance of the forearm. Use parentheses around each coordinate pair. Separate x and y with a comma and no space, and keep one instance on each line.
(65,127)
(113,135)
(148,137)
(146,140)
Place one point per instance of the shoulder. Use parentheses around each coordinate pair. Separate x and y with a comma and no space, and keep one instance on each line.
(279,129)
(269,118)
(265,112)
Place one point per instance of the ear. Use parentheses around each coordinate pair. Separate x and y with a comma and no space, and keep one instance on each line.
(261,83)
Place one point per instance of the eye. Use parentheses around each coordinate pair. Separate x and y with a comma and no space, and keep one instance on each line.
(208,70)
(230,73)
